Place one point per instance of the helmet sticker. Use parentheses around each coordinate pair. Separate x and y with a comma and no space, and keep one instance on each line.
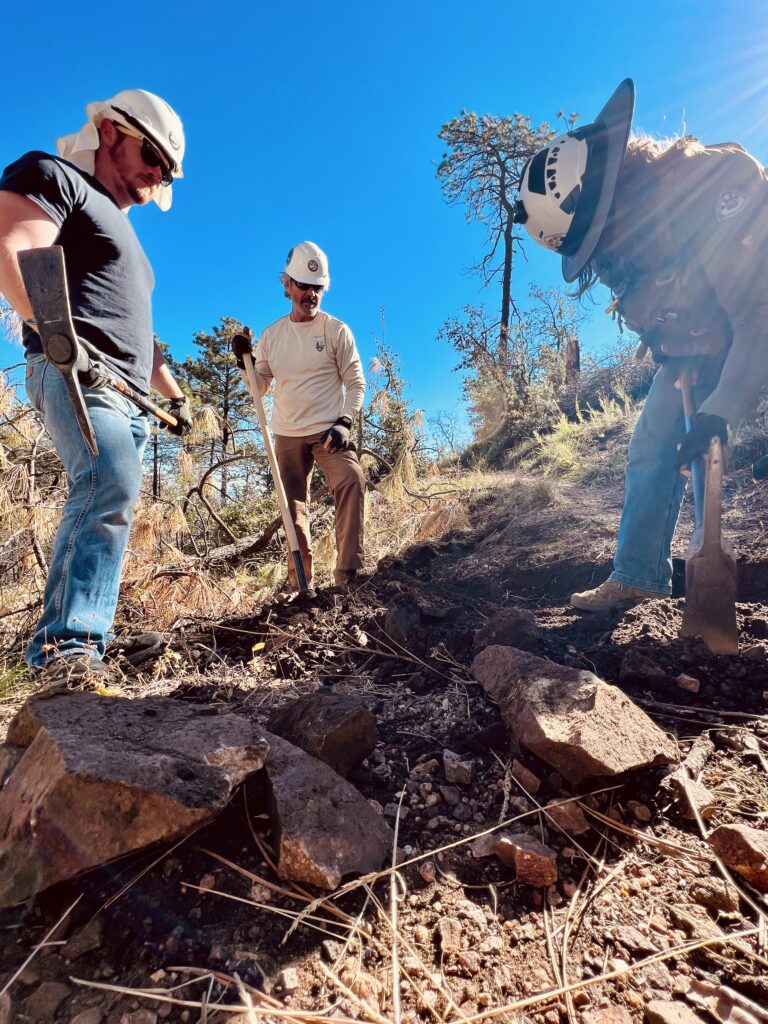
(729,204)
(554,241)
(312,266)
(173,140)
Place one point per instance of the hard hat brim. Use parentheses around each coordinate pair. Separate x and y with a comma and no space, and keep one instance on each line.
(614,121)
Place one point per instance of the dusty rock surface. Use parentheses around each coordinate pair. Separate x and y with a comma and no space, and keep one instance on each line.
(569,717)
(101,777)
(744,850)
(324,829)
(334,727)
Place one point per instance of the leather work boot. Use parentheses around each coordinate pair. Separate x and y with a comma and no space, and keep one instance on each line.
(344,577)
(76,674)
(611,595)
(136,651)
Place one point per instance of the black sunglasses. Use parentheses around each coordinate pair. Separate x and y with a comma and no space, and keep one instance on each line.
(306,287)
(149,154)
(152,158)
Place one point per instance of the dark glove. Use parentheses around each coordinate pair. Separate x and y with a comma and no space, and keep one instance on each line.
(241,344)
(95,375)
(181,410)
(696,442)
(337,438)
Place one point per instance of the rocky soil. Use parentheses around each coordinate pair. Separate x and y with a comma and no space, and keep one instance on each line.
(617,910)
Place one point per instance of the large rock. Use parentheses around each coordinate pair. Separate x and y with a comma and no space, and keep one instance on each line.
(99,777)
(569,717)
(744,850)
(334,727)
(324,828)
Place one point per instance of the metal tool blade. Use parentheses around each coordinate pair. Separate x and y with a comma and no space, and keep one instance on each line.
(43,272)
(710,570)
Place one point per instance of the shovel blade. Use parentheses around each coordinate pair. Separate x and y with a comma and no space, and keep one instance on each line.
(710,570)
(710,600)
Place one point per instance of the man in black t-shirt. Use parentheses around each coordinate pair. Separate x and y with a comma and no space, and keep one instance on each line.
(128,153)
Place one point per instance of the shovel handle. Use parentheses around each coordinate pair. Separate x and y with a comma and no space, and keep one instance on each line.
(698,478)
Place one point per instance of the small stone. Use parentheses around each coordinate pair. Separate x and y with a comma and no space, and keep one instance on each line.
(715,894)
(421,935)
(428,871)
(288,979)
(142,1016)
(689,683)
(633,940)
(457,771)
(638,668)
(451,795)
(85,940)
(658,924)
(31,974)
(663,1011)
(469,910)
(607,1015)
(6,1009)
(207,882)
(640,812)
(331,950)
(449,932)
(470,961)
(493,944)
(568,816)
(462,812)
(744,850)
(534,863)
(530,783)
(93,1015)
(45,1001)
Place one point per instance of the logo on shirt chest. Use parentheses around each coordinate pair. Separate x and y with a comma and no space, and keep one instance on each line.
(319,344)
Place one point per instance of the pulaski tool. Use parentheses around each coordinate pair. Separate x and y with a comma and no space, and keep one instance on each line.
(242,347)
(710,563)
(44,274)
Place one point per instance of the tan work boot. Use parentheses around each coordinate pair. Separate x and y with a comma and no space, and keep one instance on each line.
(611,595)
(344,577)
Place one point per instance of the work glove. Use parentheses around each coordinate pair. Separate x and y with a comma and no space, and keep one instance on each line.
(697,441)
(95,375)
(337,438)
(181,410)
(241,344)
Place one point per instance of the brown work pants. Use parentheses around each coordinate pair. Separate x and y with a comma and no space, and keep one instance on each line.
(295,458)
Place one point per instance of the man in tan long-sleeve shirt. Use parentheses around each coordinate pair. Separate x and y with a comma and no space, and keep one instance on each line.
(319,389)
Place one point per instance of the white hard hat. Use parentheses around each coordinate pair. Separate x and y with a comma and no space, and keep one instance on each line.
(141,111)
(567,188)
(308,264)
(153,117)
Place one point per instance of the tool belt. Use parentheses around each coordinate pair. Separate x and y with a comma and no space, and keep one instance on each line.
(675,312)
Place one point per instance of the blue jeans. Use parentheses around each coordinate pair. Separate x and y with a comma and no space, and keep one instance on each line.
(84,578)
(653,487)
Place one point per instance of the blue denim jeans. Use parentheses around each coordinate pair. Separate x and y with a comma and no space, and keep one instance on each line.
(84,578)
(653,487)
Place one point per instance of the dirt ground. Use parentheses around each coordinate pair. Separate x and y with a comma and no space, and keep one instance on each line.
(473,943)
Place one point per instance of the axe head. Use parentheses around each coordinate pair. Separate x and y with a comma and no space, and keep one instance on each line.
(44,274)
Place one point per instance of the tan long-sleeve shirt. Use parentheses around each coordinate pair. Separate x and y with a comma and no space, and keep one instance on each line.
(317,373)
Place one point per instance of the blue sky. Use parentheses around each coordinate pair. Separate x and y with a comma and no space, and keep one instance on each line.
(321,123)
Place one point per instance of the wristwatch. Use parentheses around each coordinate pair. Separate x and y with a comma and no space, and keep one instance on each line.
(345,421)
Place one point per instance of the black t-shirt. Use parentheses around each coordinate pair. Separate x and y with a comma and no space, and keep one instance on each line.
(109,277)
